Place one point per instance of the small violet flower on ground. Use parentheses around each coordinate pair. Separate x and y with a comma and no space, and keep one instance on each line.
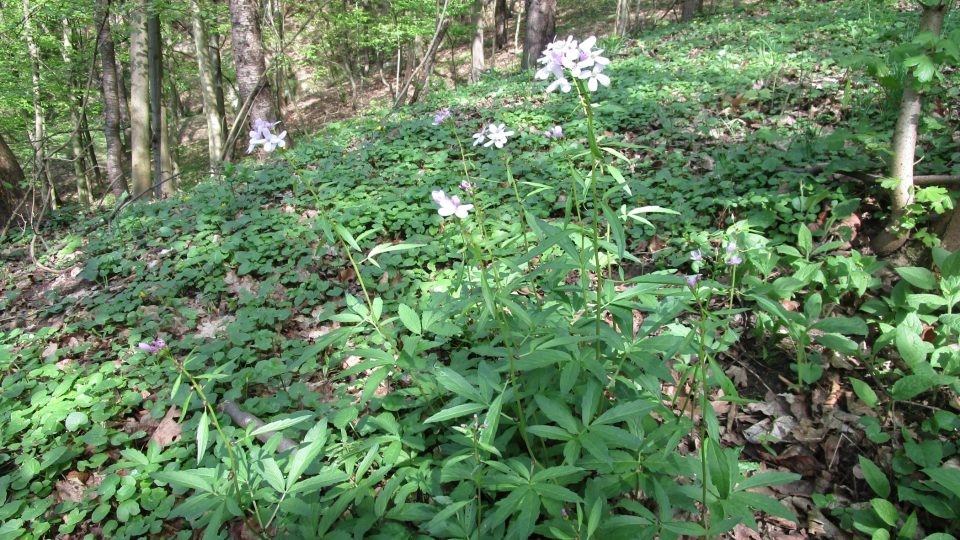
(262,134)
(693,280)
(153,347)
(730,247)
(556,132)
(450,206)
(734,260)
(468,187)
(696,255)
(442,116)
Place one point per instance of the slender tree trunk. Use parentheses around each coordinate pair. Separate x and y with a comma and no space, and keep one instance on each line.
(500,24)
(477,62)
(124,97)
(892,237)
(622,25)
(139,100)
(248,56)
(208,87)
(690,9)
(11,182)
(155,58)
(40,169)
(541,29)
(87,141)
(168,158)
(218,81)
(80,170)
(116,181)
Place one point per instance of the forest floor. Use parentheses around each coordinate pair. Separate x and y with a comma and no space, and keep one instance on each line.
(251,283)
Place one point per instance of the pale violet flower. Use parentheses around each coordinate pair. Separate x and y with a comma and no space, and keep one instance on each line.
(696,255)
(497,135)
(153,347)
(442,116)
(468,187)
(734,260)
(262,134)
(450,206)
(579,60)
(556,132)
(588,56)
(693,280)
(595,77)
(730,247)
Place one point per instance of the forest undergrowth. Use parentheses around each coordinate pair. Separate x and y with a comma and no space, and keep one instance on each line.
(642,310)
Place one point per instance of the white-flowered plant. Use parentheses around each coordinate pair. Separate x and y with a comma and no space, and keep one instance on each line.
(450,206)
(579,60)
(262,134)
(492,135)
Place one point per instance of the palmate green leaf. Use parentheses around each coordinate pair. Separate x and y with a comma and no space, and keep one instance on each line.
(634,409)
(387,248)
(273,475)
(190,479)
(302,458)
(455,411)
(549,432)
(326,477)
(280,425)
(558,412)
(456,383)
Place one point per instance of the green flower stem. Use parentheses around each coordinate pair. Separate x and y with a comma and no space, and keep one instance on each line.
(597,164)
(702,388)
(234,472)
(497,313)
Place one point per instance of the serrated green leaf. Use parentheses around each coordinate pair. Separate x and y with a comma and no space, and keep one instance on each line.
(410,319)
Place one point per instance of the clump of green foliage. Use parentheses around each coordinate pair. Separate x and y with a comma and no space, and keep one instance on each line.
(501,375)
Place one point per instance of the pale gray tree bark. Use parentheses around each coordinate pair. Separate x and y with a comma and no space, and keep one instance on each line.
(892,237)
(690,8)
(140,136)
(248,56)
(540,31)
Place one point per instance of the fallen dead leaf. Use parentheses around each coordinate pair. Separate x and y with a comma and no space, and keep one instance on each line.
(168,431)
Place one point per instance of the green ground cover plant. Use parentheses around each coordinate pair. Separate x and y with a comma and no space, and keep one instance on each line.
(544,334)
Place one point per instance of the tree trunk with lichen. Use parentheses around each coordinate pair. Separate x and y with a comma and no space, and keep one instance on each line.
(892,237)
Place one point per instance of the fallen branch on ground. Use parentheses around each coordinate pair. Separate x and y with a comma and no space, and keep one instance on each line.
(244,419)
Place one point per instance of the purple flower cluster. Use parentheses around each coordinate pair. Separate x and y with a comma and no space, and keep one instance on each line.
(153,347)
